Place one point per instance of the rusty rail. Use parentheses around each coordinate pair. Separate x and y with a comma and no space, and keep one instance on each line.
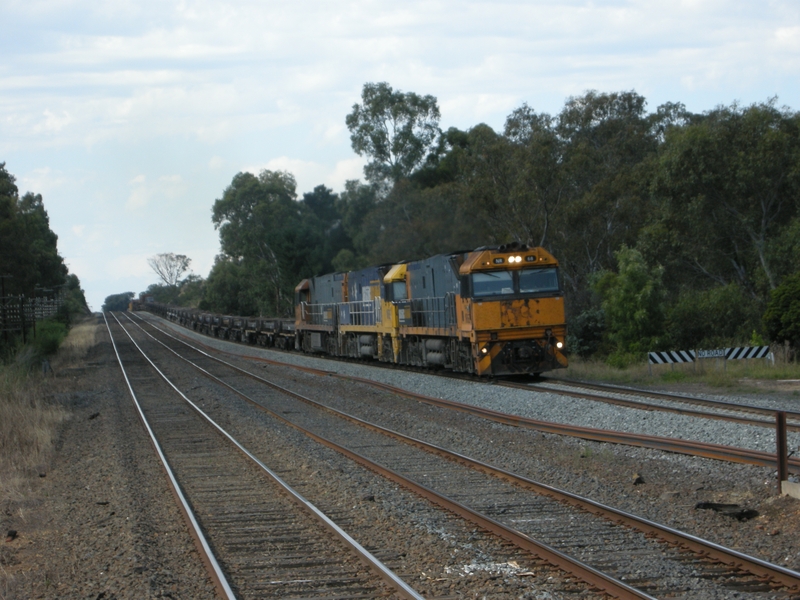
(780,575)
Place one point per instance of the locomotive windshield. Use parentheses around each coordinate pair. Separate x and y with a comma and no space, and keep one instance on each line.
(492,283)
(526,281)
(532,281)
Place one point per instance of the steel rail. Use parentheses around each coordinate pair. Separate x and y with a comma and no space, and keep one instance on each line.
(720,404)
(676,397)
(383,571)
(756,566)
(558,559)
(212,565)
(676,445)
(667,444)
(727,556)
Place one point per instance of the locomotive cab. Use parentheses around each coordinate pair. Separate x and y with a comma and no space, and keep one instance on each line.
(512,303)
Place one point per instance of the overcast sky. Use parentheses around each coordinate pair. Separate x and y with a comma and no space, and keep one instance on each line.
(131,117)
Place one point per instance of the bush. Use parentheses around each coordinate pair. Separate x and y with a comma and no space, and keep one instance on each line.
(49,335)
(712,318)
(586,333)
(633,303)
(782,317)
(623,360)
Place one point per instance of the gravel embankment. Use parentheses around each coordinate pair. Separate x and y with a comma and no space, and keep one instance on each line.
(663,487)
(538,405)
(100,521)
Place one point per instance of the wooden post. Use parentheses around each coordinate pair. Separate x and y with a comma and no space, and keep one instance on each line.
(780,442)
(3,323)
(22,318)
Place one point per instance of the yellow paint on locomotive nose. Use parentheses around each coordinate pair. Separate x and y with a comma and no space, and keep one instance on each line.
(530,312)
(486,315)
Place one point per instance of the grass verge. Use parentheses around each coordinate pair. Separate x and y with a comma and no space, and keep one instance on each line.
(733,375)
(30,413)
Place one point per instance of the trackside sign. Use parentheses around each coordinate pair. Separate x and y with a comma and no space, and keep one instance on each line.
(684,356)
(718,353)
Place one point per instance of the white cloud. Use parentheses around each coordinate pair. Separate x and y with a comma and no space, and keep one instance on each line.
(42,180)
(352,168)
(309,174)
(166,187)
(129,115)
(53,122)
(138,199)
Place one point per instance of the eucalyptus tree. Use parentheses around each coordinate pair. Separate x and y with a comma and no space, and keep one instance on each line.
(730,184)
(28,247)
(169,267)
(269,237)
(606,138)
(395,130)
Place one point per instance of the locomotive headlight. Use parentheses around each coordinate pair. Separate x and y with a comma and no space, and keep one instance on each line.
(559,345)
(484,350)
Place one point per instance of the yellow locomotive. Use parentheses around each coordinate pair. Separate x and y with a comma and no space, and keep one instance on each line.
(491,311)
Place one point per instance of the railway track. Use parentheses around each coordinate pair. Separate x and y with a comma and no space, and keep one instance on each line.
(676,403)
(669,444)
(257,536)
(658,561)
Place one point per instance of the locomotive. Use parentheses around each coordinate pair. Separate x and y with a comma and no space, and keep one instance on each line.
(492,311)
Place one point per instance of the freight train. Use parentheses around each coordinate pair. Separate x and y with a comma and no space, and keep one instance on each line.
(492,311)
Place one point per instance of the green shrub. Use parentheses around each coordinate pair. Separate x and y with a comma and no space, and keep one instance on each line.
(782,317)
(623,360)
(586,332)
(713,318)
(633,304)
(49,335)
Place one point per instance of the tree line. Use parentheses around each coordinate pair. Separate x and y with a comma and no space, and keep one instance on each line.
(674,230)
(30,265)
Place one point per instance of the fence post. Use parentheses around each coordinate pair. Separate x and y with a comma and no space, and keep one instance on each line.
(780,442)
(22,318)
(3,323)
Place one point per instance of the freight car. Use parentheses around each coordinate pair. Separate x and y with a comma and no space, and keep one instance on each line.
(492,311)
(267,332)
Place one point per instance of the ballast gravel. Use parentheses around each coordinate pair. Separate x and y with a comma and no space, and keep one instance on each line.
(102,525)
(542,406)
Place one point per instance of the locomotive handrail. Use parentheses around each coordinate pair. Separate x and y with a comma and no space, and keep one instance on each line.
(360,312)
(432,311)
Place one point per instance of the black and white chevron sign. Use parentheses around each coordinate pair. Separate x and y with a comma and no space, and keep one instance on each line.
(665,358)
(746,352)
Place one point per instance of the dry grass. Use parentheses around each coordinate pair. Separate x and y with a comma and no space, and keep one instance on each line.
(30,415)
(74,349)
(29,422)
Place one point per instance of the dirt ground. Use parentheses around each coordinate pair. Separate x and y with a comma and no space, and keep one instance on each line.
(100,521)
